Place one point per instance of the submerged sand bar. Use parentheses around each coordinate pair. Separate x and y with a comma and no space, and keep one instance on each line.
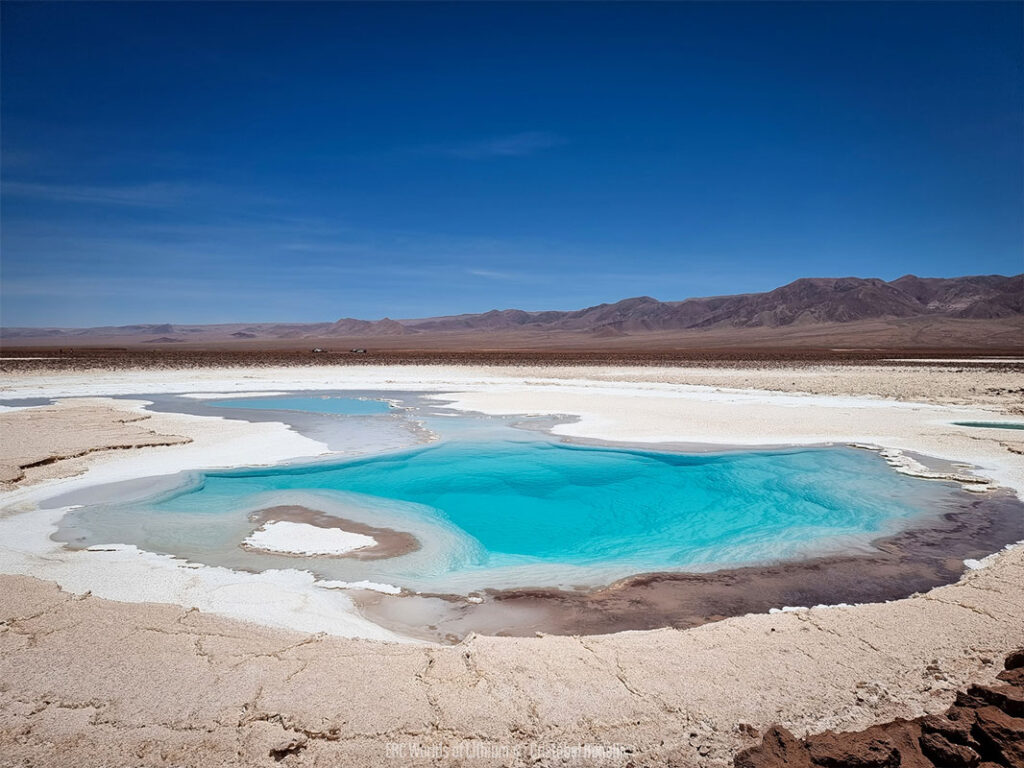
(376,542)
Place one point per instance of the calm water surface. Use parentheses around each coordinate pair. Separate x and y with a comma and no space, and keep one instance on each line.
(990,424)
(498,506)
(343,406)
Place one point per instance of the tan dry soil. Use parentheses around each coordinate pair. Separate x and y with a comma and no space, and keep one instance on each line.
(39,444)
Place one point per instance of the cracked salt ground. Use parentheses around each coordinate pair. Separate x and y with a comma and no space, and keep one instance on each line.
(674,697)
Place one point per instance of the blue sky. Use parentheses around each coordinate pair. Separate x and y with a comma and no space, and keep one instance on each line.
(205,162)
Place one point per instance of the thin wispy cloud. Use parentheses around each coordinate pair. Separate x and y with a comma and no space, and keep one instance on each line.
(329,248)
(510,145)
(492,274)
(148,195)
(18,158)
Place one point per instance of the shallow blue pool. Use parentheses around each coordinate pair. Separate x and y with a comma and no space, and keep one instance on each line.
(341,406)
(534,511)
(990,424)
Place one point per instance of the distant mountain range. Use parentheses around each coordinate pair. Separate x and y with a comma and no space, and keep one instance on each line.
(799,306)
(804,301)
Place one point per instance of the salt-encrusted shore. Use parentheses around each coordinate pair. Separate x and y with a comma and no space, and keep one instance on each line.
(282,598)
(236,693)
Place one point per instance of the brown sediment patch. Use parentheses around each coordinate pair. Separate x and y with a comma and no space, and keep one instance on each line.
(390,543)
(914,560)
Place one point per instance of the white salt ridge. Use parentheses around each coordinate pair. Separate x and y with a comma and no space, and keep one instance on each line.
(305,539)
(277,598)
(375,586)
(976,565)
(819,606)
(906,465)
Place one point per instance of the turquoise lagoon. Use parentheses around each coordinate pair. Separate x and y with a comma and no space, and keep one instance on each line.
(495,506)
(338,406)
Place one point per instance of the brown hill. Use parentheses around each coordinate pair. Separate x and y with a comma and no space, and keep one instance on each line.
(975,311)
(349,326)
(805,301)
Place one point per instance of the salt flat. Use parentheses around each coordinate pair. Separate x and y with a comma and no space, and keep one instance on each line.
(233,690)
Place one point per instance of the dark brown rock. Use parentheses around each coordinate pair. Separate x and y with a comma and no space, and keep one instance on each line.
(779,747)
(852,750)
(942,751)
(968,699)
(957,729)
(1015,660)
(960,714)
(1008,698)
(905,736)
(1001,736)
(1013,676)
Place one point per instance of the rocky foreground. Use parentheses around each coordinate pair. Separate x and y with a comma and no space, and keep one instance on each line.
(984,728)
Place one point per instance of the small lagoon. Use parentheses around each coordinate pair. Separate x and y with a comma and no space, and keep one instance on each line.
(338,406)
(497,506)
